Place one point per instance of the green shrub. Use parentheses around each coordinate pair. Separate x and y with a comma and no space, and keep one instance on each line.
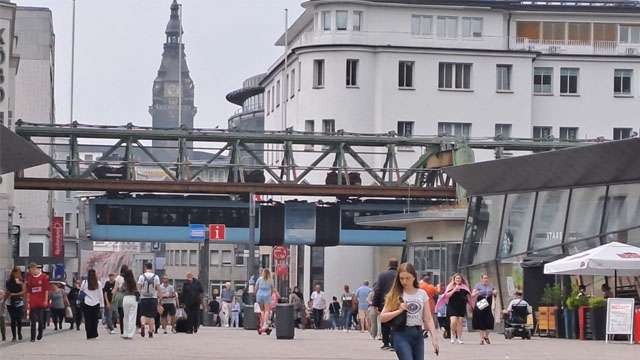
(551,295)
(596,302)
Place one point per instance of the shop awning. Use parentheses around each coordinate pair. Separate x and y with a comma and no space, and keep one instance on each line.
(16,153)
(607,163)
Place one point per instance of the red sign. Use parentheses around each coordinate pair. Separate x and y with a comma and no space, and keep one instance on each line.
(217,231)
(282,271)
(57,236)
(280,253)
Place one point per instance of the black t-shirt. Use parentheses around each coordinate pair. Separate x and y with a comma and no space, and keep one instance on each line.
(108,289)
(13,287)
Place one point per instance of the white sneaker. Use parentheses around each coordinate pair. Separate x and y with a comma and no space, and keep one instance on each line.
(453,341)
(460,341)
(112,332)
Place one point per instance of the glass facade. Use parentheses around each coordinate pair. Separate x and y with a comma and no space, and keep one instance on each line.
(506,234)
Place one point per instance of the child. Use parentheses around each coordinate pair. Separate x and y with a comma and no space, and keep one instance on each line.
(334,312)
(235,314)
(3,308)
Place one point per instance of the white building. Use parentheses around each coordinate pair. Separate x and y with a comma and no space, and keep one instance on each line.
(467,68)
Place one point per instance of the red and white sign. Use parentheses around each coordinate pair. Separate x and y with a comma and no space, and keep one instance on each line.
(282,271)
(217,231)
(57,236)
(280,253)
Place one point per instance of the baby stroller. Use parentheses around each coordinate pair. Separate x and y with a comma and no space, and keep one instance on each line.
(516,323)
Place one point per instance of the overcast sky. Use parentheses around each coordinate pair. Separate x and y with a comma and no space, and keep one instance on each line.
(119,47)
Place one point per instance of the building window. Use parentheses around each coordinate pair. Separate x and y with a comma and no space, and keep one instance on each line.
(357,20)
(278,93)
(352,72)
(318,73)
(447,27)
(629,34)
(405,128)
(268,101)
(622,81)
(621,133)
(273,98)
(568,133)
(239,258)
(341,20)
(299,74)
(293,83)
(227,257)
(542,80)
(214,258)
(569,81)
(170,257)
(422,25)
(503,130)
(454,129)
(67,194)
(309,127)
(472,27)
(554,31)
(88,157)
(67,224)
(503,77)
(405,74)
(328,126)
(184,254)
(454,76)
(176,258)
(541,132)
(326,20)
(193,258)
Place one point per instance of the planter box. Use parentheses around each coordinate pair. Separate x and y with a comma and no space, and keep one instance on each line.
(598,323)
(570,323)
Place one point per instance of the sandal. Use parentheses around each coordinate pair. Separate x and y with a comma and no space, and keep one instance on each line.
(487,340)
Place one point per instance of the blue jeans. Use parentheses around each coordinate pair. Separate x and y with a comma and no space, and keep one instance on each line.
(108,318)
(409,343)
(346,318)
(334,321)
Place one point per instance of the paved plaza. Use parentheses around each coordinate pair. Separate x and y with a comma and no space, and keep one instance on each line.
(232,344)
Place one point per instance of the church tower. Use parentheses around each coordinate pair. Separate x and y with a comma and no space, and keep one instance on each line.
(167,89)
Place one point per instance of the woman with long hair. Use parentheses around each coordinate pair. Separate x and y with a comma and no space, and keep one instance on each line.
(93,301)
(16,289)
(264,287)
(129,305)
(59,302)
(457,296)
(406,299)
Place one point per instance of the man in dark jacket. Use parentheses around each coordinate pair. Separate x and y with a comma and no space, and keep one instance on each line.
(192,298)
(384,284)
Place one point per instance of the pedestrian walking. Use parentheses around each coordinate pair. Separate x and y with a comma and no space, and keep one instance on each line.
(227,299)
(457,296)
(427,285)
(214,309)
(264,287)
(374,329)
(296,298)
(169,302)
(362,304)
(108,302)
(37,299)
(407,309)
(75,304)
(235,314)
(318,305)
(15,291)
(441,313)
(92,298)
(347,299)
(384,284)
(148,283)
(334,313)
(117,304)
(129,290)
(59,302)
(3,311)
(483,295)
(192,298)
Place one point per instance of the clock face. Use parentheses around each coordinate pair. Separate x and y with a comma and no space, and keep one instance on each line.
(171,90)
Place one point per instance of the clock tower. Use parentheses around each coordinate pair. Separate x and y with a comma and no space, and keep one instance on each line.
(167,88)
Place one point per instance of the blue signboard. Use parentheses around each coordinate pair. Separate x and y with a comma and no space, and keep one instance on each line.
(197,232)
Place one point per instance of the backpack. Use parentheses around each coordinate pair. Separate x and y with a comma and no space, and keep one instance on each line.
(148,285)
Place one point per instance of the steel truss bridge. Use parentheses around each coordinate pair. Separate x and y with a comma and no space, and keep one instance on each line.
(339,164)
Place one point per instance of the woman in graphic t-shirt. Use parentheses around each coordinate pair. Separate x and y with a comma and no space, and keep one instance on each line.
(406,297)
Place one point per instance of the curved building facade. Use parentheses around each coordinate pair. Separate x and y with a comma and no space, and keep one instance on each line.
(250,117)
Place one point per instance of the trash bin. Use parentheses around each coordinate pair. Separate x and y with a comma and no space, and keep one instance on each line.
(285,327)
(249,321)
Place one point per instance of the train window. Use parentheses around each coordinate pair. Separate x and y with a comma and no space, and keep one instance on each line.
(348,220)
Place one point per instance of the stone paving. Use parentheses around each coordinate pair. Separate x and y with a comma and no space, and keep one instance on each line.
(217,343)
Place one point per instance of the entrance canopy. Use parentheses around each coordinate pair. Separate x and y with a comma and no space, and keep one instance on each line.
(607,260)
(17,153)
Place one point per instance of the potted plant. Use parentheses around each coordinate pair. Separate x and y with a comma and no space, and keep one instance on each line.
(573,302)
(552,298)
(598,317)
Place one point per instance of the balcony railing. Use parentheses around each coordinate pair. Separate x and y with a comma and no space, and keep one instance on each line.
(575,46)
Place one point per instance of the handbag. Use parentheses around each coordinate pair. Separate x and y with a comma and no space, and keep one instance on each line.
(256,308)
(180,314)
(68,313)
(482,304)
(399,322)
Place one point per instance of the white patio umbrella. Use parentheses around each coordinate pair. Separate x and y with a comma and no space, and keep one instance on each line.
(611,259)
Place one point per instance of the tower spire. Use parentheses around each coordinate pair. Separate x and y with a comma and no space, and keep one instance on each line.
(174,28)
